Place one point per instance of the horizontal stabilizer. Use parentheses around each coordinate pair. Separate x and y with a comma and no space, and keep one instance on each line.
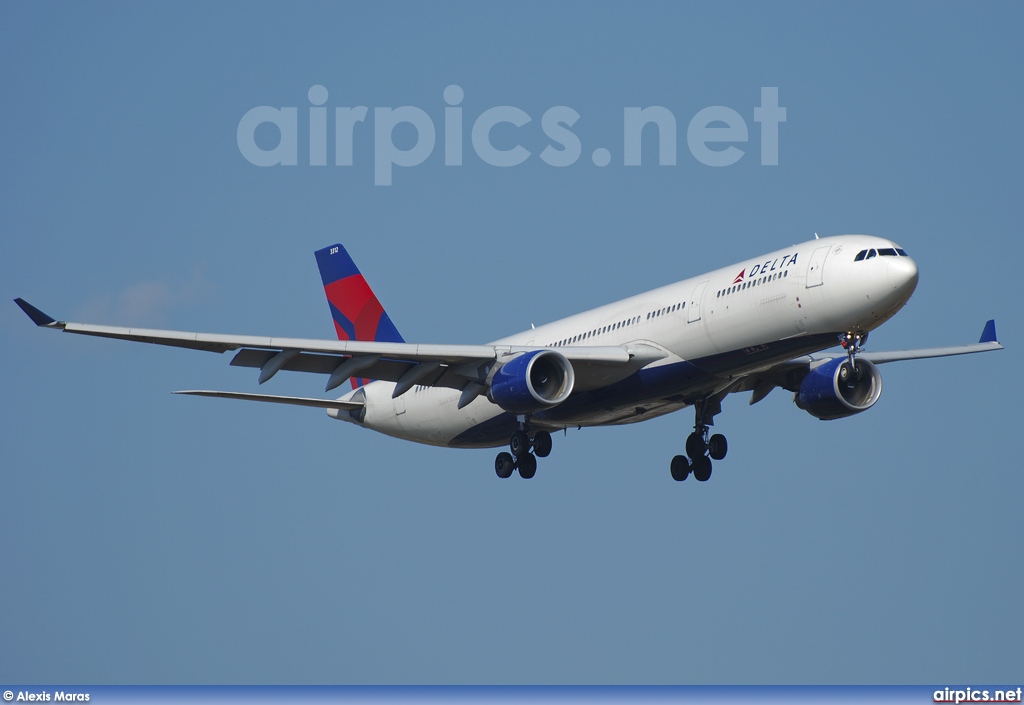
(296,401)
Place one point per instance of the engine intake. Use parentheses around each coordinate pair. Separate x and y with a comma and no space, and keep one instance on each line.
(836,390)
(532,381)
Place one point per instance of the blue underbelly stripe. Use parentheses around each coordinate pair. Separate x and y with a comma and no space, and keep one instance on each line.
(679,382)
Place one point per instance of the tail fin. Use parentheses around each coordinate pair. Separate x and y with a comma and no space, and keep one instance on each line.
(355,309)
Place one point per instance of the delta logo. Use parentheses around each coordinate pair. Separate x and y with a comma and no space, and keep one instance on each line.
(766,268)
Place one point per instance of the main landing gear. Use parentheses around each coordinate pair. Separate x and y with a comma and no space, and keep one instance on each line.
(701,448)
(521,458)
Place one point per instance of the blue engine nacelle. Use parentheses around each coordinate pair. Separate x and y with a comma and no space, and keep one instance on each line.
(532,381)
(835,390)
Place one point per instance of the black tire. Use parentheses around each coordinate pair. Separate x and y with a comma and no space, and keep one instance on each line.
(718,447)
(680,468)
(542,444)
(695,445)
(519,443)
(528,466)
(844,373)
(504,465)
(702,468)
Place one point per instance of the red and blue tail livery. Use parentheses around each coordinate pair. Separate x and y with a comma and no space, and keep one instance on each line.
(356,312)
(355,309)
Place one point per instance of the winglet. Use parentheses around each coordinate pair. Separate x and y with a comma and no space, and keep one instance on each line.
(989,334)
(37,316)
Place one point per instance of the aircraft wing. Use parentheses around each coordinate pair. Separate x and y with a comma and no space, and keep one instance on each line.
(986,343)
(787,373)
(462,367)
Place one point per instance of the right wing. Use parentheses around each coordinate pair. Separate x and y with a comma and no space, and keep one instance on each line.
(987,342)
(789,374)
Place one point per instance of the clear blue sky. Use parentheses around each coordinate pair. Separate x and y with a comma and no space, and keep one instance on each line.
(148,538)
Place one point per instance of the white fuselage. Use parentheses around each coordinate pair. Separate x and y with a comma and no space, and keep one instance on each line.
(713,327)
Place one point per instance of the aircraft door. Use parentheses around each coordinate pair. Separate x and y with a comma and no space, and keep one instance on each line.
(816,267)
(693,314)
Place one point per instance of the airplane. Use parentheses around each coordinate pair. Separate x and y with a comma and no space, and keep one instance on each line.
(752,326)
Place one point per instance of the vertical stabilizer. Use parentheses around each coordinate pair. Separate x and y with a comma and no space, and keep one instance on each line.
(356,312)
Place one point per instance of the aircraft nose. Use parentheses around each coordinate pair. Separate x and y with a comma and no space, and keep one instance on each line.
(902,275)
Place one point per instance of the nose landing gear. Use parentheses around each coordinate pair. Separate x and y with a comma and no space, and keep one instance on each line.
(852,342)
(521,443)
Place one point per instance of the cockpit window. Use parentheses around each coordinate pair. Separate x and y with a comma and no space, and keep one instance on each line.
(884,252)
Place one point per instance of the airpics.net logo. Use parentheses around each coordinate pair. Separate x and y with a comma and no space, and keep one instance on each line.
(712,134)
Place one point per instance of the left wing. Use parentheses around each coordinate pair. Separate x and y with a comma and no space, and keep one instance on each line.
(462,367)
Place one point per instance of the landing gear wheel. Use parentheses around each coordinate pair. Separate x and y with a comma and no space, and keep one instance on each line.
(527,466)
(702,468)
(504,465)
(519,444)
(695,445)
(542,444)
(717,447)
(680,468)
(848,374)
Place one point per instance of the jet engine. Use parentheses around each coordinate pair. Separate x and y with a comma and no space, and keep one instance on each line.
(532,381)
(837,389)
